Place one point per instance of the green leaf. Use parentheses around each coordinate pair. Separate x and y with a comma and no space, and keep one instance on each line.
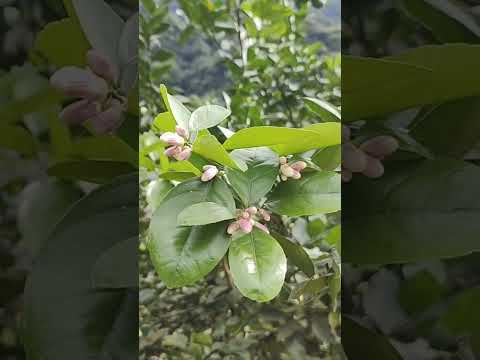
(417,211)
(325,110)
(426,75)
(156,192)
(128,43)
(448,21)
(253,184)
(96,223)
(258,265)
(41,205)
(183,255)
(315,193)
(95,171)
(101,25)
(179,112)
(453,120)
(328,158)
(18,139)
(117,267)
(208,116)
(209,147)
(50,43)
(60,137)
(104,147)
(307,290)
(361,343)
(285,140)
(334,237)
(296,254)
(164,122)
(204,213)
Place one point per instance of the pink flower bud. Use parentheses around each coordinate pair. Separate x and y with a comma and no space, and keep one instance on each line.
(283,160)
(262,227)
(265,215)
(299,165)
(283,177)
(245,225)
(233,228)
(184,154)
(246,215)
(79,111)
(172,139)
(101,66)
(296,175)
(209,173)
(287,170)
(108,120)
(252,210)
(182,132)
(172,151)
(80,83)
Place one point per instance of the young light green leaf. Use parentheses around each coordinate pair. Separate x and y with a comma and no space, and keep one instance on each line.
(258,265)
(208,116)
(325,110)
(179,112)
(209,147)
(314,193)
(204,213)
(101,25)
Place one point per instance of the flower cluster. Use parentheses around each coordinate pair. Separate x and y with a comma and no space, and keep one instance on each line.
(179,149)
(95,88)
(291,170)
(247,219)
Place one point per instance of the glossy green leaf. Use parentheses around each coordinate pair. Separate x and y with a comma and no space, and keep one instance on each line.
(41,205)
(156,191)
(453,120)
(208,116)
(361,343)
(164,122)
(179,112)
(328,158)
(183,255)
(104,147)
(314,193)
(258,180)
(447,20)
(62,312)
(285,140)
(95,171)
(18,139)
(417,211)
(208,147)
(204,213)
(101,25)
(258,265)
(107,274)
(325,110)
(296,254)
(48,43)
(423,76)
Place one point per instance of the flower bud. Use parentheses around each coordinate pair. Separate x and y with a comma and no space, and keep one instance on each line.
(184,154)
(252,210)
(79,111)
(209,173)
(108,120)
(283,177)
(101,66)
(245,225)
(172,139)
(76,82)
(296,175)
(262,227)
(182,132)
(380,146)
(283,160)
(246,215)
(233,228)
(172,151)
(299,165)
(287,170)
(265,215)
